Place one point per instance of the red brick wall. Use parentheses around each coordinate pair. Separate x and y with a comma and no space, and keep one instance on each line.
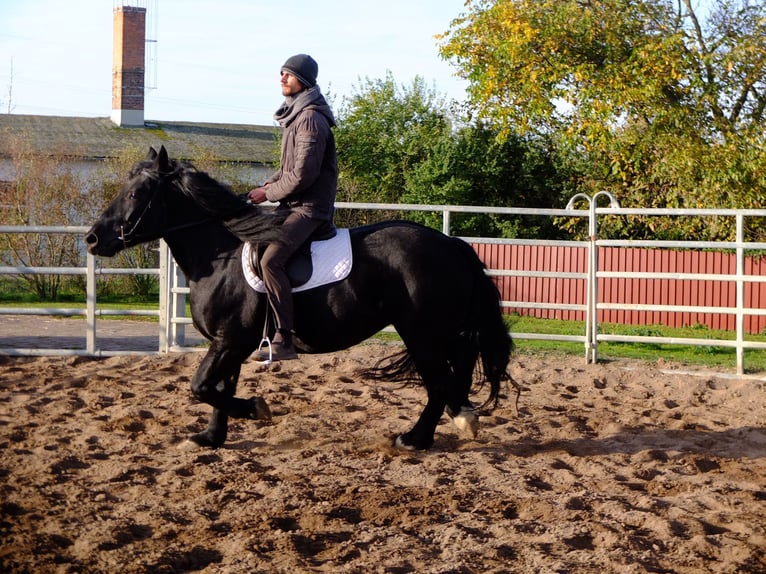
(128,55)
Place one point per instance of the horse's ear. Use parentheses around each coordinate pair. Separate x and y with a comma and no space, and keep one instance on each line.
(152,154)
(162,162)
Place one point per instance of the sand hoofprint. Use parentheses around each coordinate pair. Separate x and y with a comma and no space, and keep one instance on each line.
(603,468)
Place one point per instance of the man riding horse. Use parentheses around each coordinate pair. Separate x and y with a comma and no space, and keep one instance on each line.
(305,187)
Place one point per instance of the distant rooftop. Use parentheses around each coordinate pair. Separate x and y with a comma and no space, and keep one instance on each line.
(97,138)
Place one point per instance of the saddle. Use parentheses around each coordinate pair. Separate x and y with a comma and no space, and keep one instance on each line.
(324,258)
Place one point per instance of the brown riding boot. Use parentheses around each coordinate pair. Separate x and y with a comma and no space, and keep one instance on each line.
(282,348)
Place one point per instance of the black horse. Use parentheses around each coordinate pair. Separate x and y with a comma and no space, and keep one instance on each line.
(432,288)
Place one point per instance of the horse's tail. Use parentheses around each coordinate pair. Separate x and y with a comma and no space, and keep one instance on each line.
(488,329)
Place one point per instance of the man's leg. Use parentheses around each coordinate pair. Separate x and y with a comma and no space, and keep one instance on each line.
(294,232)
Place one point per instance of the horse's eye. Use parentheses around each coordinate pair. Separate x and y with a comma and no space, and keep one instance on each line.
(132,195)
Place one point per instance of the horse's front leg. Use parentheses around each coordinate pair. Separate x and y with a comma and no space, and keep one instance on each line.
(218,426)
(215,383)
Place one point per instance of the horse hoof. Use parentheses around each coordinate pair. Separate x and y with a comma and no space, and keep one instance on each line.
(261,410)
(467,421)
(401,445)
(202,440)
(403,442)
(189,445)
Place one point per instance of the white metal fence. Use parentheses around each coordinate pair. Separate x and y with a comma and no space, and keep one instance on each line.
(91,310)
(172,322)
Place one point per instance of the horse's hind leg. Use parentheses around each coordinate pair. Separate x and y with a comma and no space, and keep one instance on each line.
(447,373)
(435,372)
(421,437)
(463,357)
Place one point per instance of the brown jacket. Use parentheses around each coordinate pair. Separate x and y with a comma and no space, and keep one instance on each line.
(308,176)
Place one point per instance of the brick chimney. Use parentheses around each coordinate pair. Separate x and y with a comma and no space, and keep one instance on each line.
(128,66)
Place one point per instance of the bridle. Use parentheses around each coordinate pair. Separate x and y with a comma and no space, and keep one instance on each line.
(132,234)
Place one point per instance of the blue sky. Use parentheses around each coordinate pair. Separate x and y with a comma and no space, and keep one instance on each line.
(216,61)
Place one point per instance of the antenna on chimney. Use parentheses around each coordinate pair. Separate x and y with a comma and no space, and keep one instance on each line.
(151,37)
(151,45)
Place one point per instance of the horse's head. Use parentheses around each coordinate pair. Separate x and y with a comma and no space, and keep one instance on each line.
(138,213)
(163,196)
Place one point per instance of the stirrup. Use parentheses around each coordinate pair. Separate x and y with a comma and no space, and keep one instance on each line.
(258,352)
(276,352)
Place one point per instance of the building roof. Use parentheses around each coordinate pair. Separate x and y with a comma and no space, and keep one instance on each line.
(97,138)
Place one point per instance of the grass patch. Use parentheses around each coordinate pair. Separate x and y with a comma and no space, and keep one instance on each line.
(709,356)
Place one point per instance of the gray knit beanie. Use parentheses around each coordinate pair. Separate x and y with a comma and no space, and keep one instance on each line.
(303,67)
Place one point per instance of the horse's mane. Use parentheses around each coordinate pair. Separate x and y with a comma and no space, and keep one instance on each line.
(244,219)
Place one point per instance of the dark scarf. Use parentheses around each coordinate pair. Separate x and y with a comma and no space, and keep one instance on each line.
(294,105)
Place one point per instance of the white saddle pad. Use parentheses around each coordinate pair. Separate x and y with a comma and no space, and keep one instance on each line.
(331,260)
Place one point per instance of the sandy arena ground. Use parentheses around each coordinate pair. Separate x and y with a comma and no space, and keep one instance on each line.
(616,467)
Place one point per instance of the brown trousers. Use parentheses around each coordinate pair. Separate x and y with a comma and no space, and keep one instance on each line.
(294,232)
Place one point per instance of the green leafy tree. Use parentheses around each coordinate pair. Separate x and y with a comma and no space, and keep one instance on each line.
(383,131)
(476,167)
(399,144)
(653,100)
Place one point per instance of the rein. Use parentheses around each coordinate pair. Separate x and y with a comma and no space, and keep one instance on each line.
(125,236)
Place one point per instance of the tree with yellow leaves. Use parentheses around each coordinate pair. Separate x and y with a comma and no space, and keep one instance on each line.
(659,101)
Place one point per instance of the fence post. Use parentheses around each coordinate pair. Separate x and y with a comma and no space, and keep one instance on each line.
(178,299)
(164,318)
(591,312)
(593,274)
(90,304)
(740,316)
(614,204)
(591,293)
(445,221)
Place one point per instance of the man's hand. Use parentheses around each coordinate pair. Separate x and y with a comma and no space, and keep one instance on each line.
(257,195)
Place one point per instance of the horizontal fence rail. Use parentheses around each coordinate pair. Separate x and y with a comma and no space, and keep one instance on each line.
(90,312)
(672,283)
